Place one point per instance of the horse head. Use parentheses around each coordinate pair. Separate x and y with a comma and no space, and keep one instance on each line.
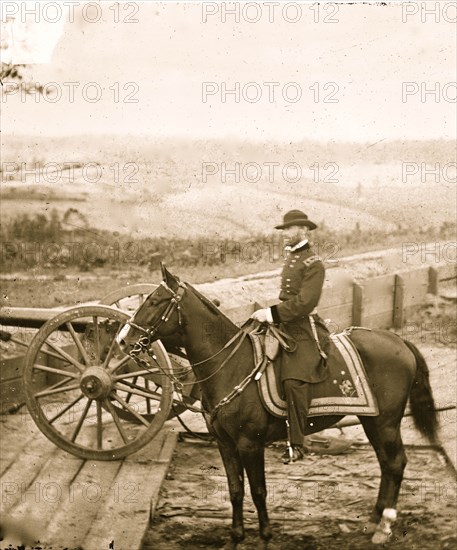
(159,315)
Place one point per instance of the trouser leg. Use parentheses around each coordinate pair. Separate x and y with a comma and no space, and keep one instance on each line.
(297,397)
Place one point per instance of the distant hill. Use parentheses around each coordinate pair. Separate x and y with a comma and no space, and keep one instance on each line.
(166,191)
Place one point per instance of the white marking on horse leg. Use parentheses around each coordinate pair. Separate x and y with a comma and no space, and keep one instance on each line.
(384,531)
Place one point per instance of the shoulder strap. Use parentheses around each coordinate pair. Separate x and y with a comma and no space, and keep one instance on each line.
(311,260)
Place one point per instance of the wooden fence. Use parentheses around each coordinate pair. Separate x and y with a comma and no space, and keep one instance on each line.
(379,302)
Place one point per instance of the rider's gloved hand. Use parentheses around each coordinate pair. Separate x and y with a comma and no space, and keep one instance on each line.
(262,315)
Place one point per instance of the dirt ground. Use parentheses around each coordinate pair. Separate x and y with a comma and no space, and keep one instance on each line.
(321,503)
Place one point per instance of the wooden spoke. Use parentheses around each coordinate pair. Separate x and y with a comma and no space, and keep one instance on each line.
(58,384)
(79,345)
(65,409)
(55,391)
(131,410)
(134,373)
(81,420)
(55,371)
(69,417)
(129,296)
(96,336)
(50,353)
(135,391)
(148,403)
(113,413)
(120,363)
(19,342)
(111,350)
(136,386)
(99,426)
(130,394)
(66,356)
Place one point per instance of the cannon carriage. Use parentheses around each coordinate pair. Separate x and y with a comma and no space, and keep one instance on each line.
(130,403)
(86,395)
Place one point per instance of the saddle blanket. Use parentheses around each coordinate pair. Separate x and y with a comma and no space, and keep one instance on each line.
(345,391)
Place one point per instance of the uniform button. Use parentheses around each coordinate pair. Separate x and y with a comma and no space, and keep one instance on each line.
(297,256)
(287,279)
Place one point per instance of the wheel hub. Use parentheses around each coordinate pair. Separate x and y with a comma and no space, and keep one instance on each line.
(96,383)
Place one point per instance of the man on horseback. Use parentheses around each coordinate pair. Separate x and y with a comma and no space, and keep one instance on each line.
(302,280)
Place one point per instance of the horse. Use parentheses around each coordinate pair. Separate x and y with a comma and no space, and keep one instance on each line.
(223,362)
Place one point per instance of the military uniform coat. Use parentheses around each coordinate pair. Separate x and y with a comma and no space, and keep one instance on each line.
(302,280)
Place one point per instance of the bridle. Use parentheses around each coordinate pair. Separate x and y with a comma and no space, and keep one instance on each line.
(144,345)
(144,342)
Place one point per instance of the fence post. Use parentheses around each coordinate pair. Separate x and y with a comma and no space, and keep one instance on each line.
(433,281)
(357,304)
(398,311)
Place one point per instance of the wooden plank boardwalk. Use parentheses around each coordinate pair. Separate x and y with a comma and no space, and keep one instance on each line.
(70,503)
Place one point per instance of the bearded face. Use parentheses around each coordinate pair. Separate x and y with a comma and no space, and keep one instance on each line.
(294,234)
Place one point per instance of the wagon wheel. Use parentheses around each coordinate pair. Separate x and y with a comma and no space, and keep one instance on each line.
(77,380)
(128,299)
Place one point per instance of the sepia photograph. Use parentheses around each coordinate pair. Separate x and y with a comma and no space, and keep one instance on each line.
(228,309)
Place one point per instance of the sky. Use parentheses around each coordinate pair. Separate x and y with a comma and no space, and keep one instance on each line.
(323,72)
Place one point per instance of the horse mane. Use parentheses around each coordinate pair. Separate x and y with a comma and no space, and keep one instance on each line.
(211,306)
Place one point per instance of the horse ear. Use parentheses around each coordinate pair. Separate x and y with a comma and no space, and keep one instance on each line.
(171,280)
(164,271)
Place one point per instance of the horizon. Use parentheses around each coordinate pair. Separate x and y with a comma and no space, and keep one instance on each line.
(254,140)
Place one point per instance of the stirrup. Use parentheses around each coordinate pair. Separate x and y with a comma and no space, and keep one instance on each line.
(292,454)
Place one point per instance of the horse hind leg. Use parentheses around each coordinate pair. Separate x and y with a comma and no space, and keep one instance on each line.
(388,445)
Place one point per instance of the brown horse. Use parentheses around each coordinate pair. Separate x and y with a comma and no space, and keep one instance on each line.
(222,360)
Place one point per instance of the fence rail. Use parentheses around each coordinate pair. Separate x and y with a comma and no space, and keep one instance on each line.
(380,302)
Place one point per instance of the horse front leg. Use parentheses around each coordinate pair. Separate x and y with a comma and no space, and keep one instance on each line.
(235,477)
(253,458)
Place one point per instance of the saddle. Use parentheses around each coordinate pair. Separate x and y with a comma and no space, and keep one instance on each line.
(345,391)
(270,339)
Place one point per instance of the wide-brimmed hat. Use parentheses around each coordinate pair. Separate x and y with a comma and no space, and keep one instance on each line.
(296,217)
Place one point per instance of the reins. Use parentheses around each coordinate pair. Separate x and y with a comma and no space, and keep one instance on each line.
(144,345)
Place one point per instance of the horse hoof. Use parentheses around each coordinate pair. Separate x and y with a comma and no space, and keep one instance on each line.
(370,528)
(381,537)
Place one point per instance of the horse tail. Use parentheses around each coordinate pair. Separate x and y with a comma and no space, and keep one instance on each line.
(421,400)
